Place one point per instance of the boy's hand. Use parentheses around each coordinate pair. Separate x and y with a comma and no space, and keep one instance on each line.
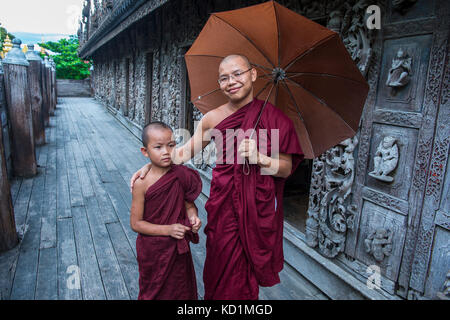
(141,173)
(195,222)
(177,231)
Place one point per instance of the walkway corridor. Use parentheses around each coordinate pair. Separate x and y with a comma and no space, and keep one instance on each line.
(73,217)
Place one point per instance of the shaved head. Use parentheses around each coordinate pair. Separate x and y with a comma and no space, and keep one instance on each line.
(154,125)
(239,56)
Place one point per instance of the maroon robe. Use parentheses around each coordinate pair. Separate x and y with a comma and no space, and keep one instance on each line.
(166,271)
(244,245)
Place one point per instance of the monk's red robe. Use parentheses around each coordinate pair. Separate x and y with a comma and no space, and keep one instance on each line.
(166,271)
(244,246)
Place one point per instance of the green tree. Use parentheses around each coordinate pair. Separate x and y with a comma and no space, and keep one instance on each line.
(68,64)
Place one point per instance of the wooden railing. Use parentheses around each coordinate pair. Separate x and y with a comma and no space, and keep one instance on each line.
(27,100)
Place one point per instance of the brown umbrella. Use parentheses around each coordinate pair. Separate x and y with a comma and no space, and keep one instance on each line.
(303,69)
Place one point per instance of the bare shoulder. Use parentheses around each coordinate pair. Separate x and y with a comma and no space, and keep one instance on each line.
(215,116)
(139,187)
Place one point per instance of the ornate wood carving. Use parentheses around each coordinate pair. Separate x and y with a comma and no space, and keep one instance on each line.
(385,200)
(329,214)
(379,243)
(418,240)
(385,160)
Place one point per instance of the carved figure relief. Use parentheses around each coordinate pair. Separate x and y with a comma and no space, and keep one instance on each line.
(379,243)
(385,160)
(445,293)
(329,214)
(400,71)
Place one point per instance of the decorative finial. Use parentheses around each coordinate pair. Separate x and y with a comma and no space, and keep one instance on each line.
(15,55)
(32,55)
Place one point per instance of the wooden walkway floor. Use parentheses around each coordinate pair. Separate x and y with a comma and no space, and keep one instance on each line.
(73,217)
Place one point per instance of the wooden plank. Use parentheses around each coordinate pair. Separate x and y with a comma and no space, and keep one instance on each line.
(98,161)
(76,196)
(62,190)
(21,205)
(48,230)
(126,258)
(47,282)
(91,280)
(69,287)
(26,271)
(108,214)
(8,263)
(16,182)
(123,213)
(113,281)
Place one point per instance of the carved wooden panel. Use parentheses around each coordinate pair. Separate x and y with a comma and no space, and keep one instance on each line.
(406,139)
(399,54)
(439,263)
(376,217)
(401,10)
(430,262)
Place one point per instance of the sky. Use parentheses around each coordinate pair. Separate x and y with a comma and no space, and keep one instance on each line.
(41,16)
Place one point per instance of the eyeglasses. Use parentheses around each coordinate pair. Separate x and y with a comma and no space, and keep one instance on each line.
(237,75)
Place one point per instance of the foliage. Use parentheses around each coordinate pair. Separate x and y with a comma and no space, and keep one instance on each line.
(68,64)
(3,33)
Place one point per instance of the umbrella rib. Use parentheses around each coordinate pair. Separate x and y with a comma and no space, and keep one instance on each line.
(318,44)
(262,90)
(247,39)
(278,33)
(322,102)
(291,96)
(262,109)
(220,57)
(292,75)
(206,94)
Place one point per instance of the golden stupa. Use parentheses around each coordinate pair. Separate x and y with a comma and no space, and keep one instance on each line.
(7,45)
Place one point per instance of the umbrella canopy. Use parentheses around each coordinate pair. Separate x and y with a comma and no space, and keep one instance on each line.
(304,66)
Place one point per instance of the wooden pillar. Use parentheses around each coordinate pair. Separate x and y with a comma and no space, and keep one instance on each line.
(35,84)
(55,84)
(53,77)
(15,67)
(45,100)
(8,234)
(48,72)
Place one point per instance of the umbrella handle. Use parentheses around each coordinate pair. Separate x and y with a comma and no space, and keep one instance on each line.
(246,167)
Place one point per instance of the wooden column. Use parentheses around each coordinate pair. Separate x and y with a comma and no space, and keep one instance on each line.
(15,67)
(45,100)
(53,77)
(34,81)
(55,91)
(48,72)
(8,234)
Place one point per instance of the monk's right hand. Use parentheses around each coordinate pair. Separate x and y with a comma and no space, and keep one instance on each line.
(178,230)
(141,173)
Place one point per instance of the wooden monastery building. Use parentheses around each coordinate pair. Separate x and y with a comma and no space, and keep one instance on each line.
(357,224)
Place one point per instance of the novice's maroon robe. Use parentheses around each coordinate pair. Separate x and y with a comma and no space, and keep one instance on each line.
(244,246)
(166,271)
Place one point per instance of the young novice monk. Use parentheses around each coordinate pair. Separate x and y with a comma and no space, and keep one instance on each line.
(163,213)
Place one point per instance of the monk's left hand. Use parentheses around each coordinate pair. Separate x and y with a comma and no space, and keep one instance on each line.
(195,222)
(248,149)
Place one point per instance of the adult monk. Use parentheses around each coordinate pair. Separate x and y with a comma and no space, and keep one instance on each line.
(245,212)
